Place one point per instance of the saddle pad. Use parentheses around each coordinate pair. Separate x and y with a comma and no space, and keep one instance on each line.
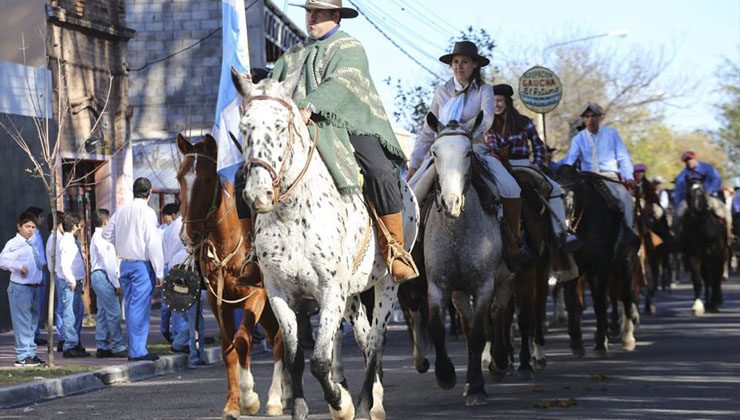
(532,177)
(599,185)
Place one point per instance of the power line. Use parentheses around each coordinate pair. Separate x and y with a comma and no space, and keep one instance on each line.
(391,25)
(423,18)
(395,44)
(428,12)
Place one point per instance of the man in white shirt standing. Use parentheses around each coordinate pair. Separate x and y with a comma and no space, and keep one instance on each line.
(70,270)
(170,324)
(20,258)
(104,280)
(38,242)
(133,231)
(600,150)
(186,340)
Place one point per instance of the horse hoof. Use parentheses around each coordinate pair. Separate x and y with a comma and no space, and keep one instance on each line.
(579,352)
(526,373)
(476,399)
(629,345)
(497,375)
(650,310)
(539,364)
(300,409)
(423,366)
(445,372)
(698,307)
(601,353)
(231,415)
(346,408)
(251,406)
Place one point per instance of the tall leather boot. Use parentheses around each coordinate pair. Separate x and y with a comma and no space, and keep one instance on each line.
(400,262)
(514,255)
(251,275)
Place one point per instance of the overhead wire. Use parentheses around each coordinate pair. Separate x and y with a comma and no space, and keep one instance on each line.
(407,35)
(424,19)
(372,22)
(430,13)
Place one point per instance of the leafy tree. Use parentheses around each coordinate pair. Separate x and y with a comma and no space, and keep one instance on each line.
(729,132)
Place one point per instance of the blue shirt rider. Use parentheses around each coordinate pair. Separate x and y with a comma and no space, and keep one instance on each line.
(710,178)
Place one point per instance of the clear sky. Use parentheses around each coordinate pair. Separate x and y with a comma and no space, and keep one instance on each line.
(699,33)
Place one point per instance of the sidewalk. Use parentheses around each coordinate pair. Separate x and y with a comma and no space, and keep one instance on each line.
(104,372)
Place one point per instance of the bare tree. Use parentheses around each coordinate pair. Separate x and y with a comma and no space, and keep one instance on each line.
(43,148)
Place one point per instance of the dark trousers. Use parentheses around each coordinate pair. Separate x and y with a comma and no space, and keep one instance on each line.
(382,179)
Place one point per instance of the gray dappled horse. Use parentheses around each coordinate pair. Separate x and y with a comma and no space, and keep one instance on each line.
(462,255)
(313,243)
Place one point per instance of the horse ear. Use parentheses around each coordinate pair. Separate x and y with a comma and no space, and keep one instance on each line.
(475,128)
(242,82)
(183,144)
(210,144)
(434,123)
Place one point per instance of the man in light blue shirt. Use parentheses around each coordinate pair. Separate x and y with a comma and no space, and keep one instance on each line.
(601,150)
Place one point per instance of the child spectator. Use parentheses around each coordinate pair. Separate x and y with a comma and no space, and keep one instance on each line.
(70,274)
(21,258)
(104,280)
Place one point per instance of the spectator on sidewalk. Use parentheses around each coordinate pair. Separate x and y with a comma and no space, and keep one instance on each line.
(186,340)
(104,267)
(58,320)
(133,231)
(170,324)
(21,258)
(42,297)
(70,272)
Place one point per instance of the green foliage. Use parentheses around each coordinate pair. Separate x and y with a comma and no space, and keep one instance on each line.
(729,132)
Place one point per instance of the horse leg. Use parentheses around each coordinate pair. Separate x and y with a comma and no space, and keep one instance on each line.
(502,314)
(615,291)
(444,370)
(574,307)
(231,409)
(249,401)
(539,359)
(599,290)
(293,352)
(525,296)
(339,400)
(371,395)
(698,307)
(475,393)
(276,396)
(410,297)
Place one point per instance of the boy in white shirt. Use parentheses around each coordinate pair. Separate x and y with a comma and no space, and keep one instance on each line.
(104,280)
(70,272)
(20,257)
(58,320)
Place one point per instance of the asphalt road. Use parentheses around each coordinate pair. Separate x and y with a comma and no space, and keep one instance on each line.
(683,367)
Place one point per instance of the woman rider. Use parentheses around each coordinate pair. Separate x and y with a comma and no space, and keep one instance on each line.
(461,99)
(510,138)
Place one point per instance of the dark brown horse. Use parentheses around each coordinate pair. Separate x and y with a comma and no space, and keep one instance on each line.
(528,288)
(212,233)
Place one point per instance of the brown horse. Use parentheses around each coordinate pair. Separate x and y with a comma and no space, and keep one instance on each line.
(528,289)
(212,232)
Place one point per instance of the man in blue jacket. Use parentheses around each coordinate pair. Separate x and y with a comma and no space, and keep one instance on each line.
(711,182)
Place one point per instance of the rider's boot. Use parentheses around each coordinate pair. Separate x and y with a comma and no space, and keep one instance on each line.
(251,275)
(514,253)
(398,259)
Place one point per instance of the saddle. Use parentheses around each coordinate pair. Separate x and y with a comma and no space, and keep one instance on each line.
(531,179)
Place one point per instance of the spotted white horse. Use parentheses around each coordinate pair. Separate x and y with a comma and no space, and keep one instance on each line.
(313,243)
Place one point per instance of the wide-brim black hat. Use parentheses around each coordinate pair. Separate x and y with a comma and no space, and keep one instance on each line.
(345,12)
(468,49)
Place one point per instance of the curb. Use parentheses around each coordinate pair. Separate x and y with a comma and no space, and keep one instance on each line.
(49,389)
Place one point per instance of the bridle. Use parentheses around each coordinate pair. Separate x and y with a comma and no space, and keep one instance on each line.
(210,224)
(575,221)
(466,186)
(277,176)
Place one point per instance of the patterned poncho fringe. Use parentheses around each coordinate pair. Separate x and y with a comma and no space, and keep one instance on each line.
(333,75)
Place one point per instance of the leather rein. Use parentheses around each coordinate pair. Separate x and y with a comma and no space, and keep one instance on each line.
(277,176)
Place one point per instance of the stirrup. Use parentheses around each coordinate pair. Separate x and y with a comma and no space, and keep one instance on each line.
(397,252)
(250,261)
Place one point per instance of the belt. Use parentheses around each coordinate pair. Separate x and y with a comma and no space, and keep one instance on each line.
(34,285)
(127,260)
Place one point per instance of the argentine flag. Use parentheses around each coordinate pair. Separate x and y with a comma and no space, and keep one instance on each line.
(235,54)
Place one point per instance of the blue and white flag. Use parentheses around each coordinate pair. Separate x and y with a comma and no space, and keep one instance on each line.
(235,54)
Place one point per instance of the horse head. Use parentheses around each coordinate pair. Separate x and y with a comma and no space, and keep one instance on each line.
(452,152)
(273,136)
(696,199)
(199,187)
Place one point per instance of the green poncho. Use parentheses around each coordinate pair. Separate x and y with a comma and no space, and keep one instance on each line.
(333,76)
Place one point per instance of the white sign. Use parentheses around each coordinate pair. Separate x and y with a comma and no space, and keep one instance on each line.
(540,90)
